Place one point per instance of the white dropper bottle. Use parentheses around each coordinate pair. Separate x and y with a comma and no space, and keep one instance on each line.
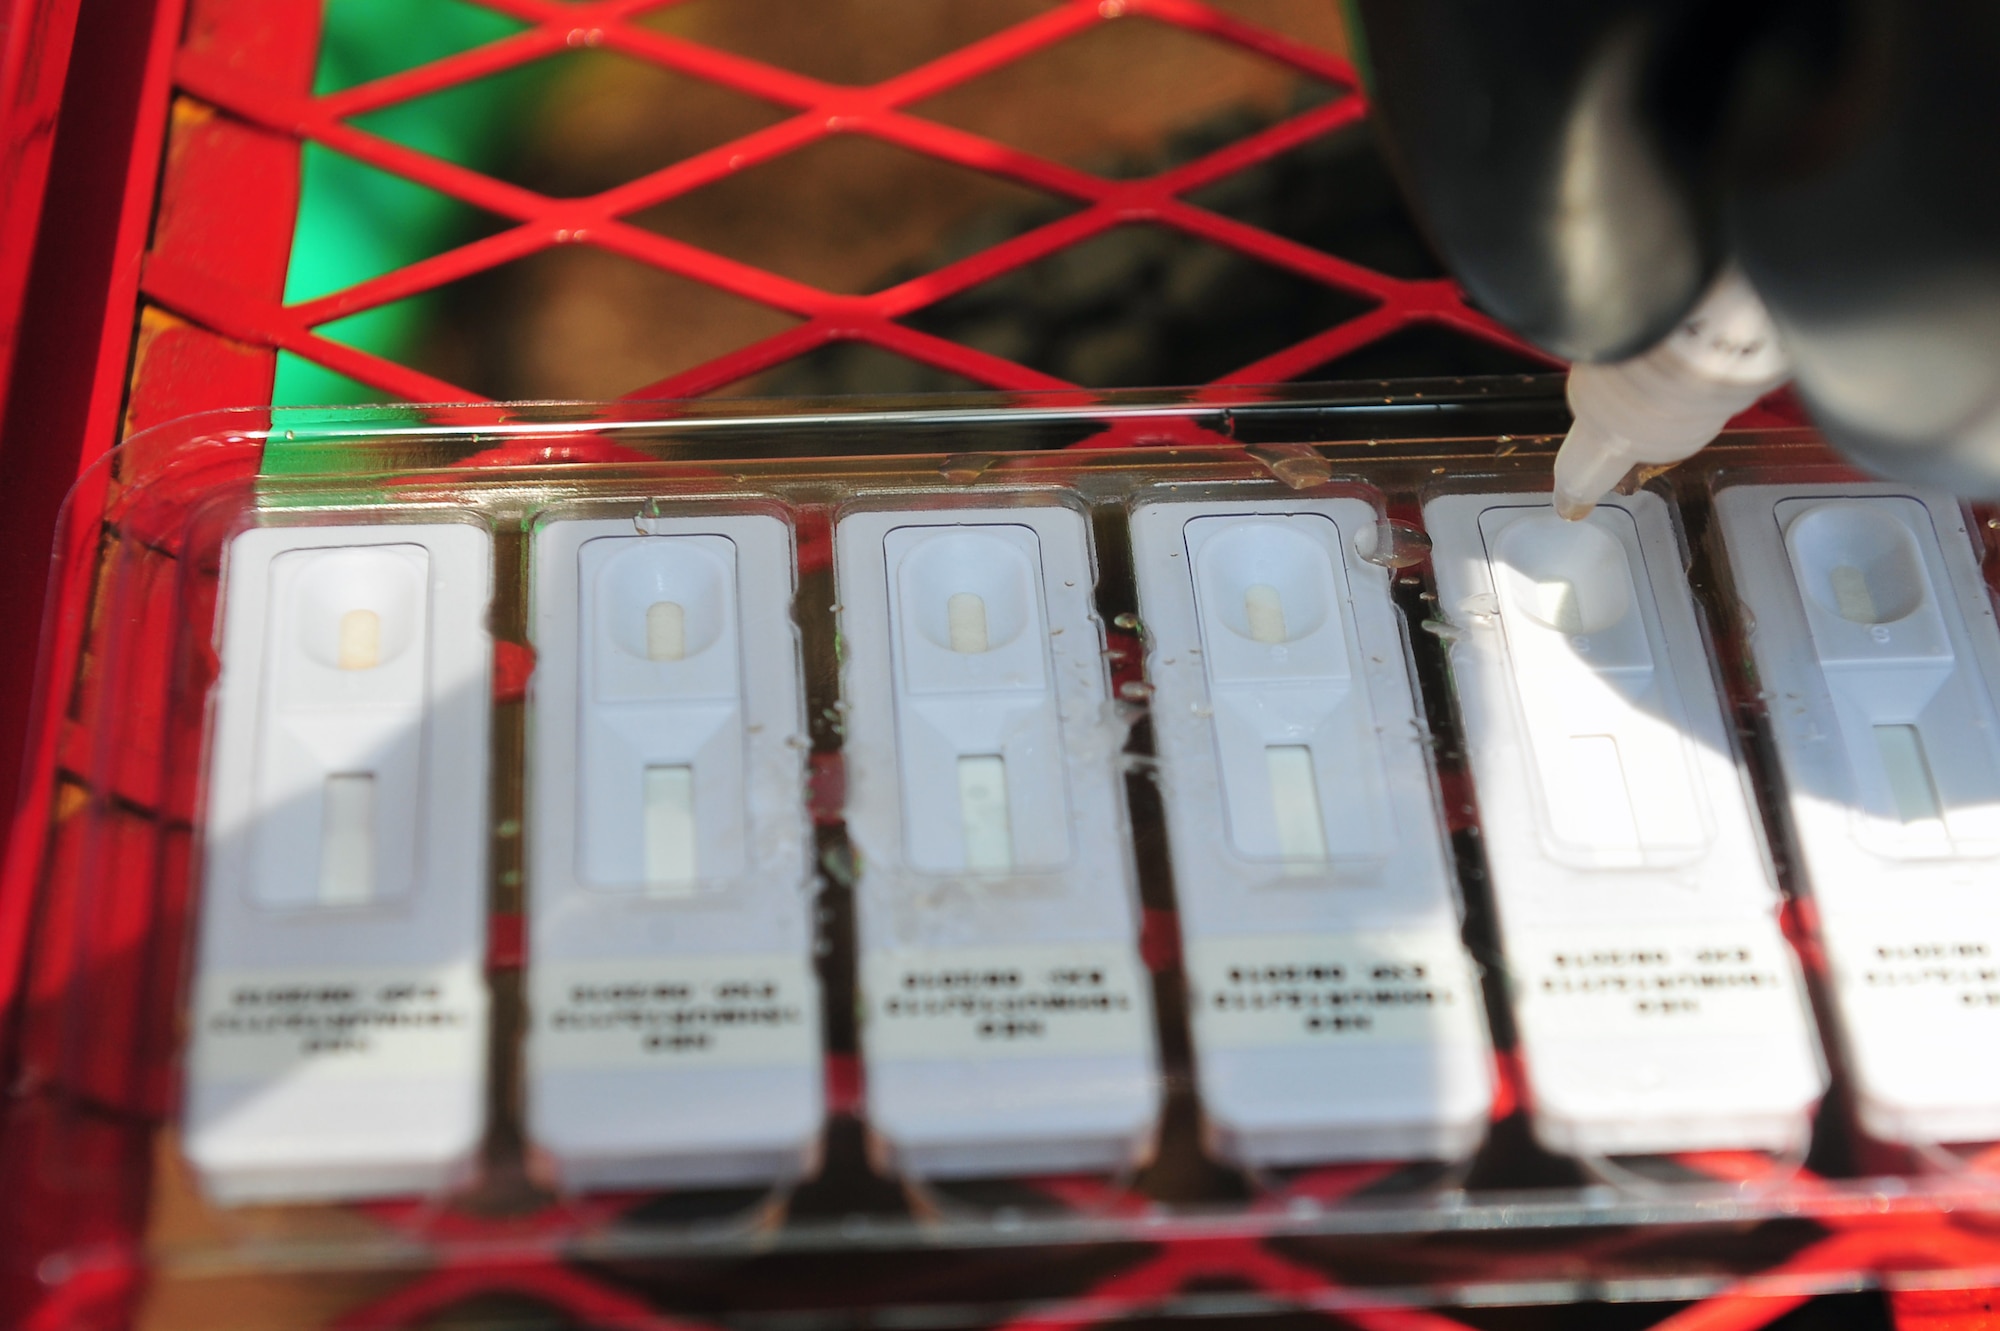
(1662,405)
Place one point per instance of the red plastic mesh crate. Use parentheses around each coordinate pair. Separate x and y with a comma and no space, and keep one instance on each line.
(197,182)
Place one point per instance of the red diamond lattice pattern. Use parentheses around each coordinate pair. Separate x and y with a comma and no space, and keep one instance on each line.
(818,110)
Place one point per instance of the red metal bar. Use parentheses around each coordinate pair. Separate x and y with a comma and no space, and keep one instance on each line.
(67,407)
(68,381)
(35,40)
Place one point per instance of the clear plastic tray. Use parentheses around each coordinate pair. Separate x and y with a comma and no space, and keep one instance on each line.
(105,1020)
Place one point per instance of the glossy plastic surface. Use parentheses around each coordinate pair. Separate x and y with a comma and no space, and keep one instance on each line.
(858,1234)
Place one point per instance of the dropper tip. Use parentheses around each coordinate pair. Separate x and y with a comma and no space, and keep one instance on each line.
(1590,462)
(1574,507)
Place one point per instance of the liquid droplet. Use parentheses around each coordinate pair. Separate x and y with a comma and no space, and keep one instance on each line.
(1480,605)
(1437,628)
(1392,543)
(1135,690)
(1125,619)
(1297,465)
(965,468)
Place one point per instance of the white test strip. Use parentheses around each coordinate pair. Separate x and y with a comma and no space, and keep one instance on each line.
(674,1035)
(982,807)
(1335,1013)
(1007,1019)
(339,1028)
(1295,801)
(1658,1005)
(1875,645)
(347,840)
(672,829)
